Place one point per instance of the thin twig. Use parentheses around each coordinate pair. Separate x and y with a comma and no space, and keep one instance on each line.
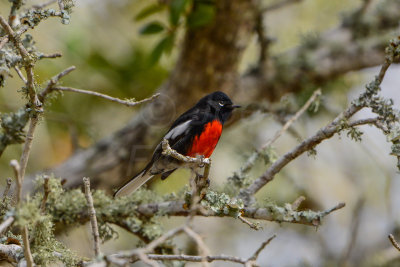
(93,219)
(128,103)
(155,243)
(55,55)
(27,62)
(394,242)
(117,258)
(61,5)
(355,225)
(27,146)
(7,189)
(4,225)
(202,247)
(279,5)
(252,159)
(261,248)
(252,225)
(17,174)
(296,204)
(27,248)
(3,41)
(46,192)
(314,96)
(18,71)
(53,81)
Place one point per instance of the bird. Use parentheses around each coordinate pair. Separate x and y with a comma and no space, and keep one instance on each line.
(194,133)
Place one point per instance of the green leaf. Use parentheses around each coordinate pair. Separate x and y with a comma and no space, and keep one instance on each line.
(165,45)
(175,10)
(152,28)
(201,15)
(148,11)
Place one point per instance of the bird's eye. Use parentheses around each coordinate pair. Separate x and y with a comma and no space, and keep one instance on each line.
(221,103)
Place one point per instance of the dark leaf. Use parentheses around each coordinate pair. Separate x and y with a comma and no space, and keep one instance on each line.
(148,11)
(176,9)
(152,28)
(202,14)
(165,45)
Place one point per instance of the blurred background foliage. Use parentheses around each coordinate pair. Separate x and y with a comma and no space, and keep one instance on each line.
(105,41)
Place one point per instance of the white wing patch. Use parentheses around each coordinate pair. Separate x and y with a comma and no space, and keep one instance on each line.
(178,130)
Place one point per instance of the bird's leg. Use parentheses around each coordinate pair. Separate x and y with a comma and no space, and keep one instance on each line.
(202,180)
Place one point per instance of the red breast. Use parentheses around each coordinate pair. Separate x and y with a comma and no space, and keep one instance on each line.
(205,143)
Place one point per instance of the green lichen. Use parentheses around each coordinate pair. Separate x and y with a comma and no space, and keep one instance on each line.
(222,204)
(12,128)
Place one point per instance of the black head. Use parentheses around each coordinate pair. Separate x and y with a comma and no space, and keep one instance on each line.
(219,104)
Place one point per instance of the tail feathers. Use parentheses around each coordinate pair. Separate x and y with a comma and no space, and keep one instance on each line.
(133,184)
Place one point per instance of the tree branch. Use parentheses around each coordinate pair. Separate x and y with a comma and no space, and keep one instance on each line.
(129,103)
(394,242)
(27,62)
(92,215)
(27,247)
(7,189)
(278,5)
(5,224)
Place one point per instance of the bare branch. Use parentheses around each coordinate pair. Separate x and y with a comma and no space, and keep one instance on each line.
(53,81)
(279,4)
(61,5)
(27,247)
(201,246)
(355,225)
(27,146)
(7,189)
(4,225)
(394,242)
(93,219)
(118,258)
(252,159)
(261,248)
(18,71)
(55,55)
(3,41)
(10,252)
(46,192)
(296,204)
(27,60)
(128,103)
(314,96)
(17,174)
(252,225)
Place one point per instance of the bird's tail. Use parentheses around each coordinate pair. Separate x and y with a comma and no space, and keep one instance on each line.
(133,184)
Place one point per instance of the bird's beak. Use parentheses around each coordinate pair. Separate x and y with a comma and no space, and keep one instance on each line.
(231,106)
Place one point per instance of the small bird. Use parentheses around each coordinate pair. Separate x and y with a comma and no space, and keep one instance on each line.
(195,133)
